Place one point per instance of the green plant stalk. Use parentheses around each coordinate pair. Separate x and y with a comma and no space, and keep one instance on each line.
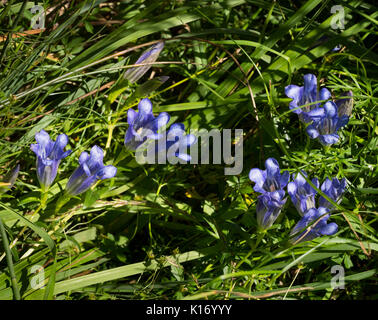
(260,236)
(62,201)
(326,149)
(16,292)
(44,195)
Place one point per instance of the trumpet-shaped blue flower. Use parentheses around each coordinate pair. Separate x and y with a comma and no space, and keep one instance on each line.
(49,154)
(172,146)
(143,125)
(334,189)
(326,123)
(312,225)
(305,98)
(91,169)
(269,180)
(149,56)
(176,143)
(269,206)
(301,193)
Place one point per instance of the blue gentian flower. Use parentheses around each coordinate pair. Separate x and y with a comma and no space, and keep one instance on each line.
(90,170)
(176,142)
(49,154)
(269,180)
(150,56)
(334,189)
(313,224)
(305,97)
(143,125)
(270,184)
(269,206)
(301,193)
(326,123)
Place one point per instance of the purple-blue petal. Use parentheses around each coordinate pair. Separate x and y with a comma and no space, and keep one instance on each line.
(330,109)
(145,106)
(258,176)
(324,94)
(96,157)
(160,121)
(328,139)
(59,145)
(84,156)
(106,172)
(284,179)
(183,156)
(84,185)
(329,229)
(131,116)
(155,49)
(316,114)
(310,83)
(292,189)
(312,131)
(294,92)
(42,138)
(316,220)
(272,167)
(268,209)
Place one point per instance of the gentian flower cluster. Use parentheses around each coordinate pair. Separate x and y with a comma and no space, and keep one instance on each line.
(270,183)
(90,170)
(324,121)
(143,129)
(307,97)
(143,125)
(50,153)
(303,197)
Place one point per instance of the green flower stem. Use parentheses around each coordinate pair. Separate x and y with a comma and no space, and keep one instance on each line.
(110,135)
(44,196)
(307,147)
(62,201)
(16,292)
(326,149)
(260,236)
